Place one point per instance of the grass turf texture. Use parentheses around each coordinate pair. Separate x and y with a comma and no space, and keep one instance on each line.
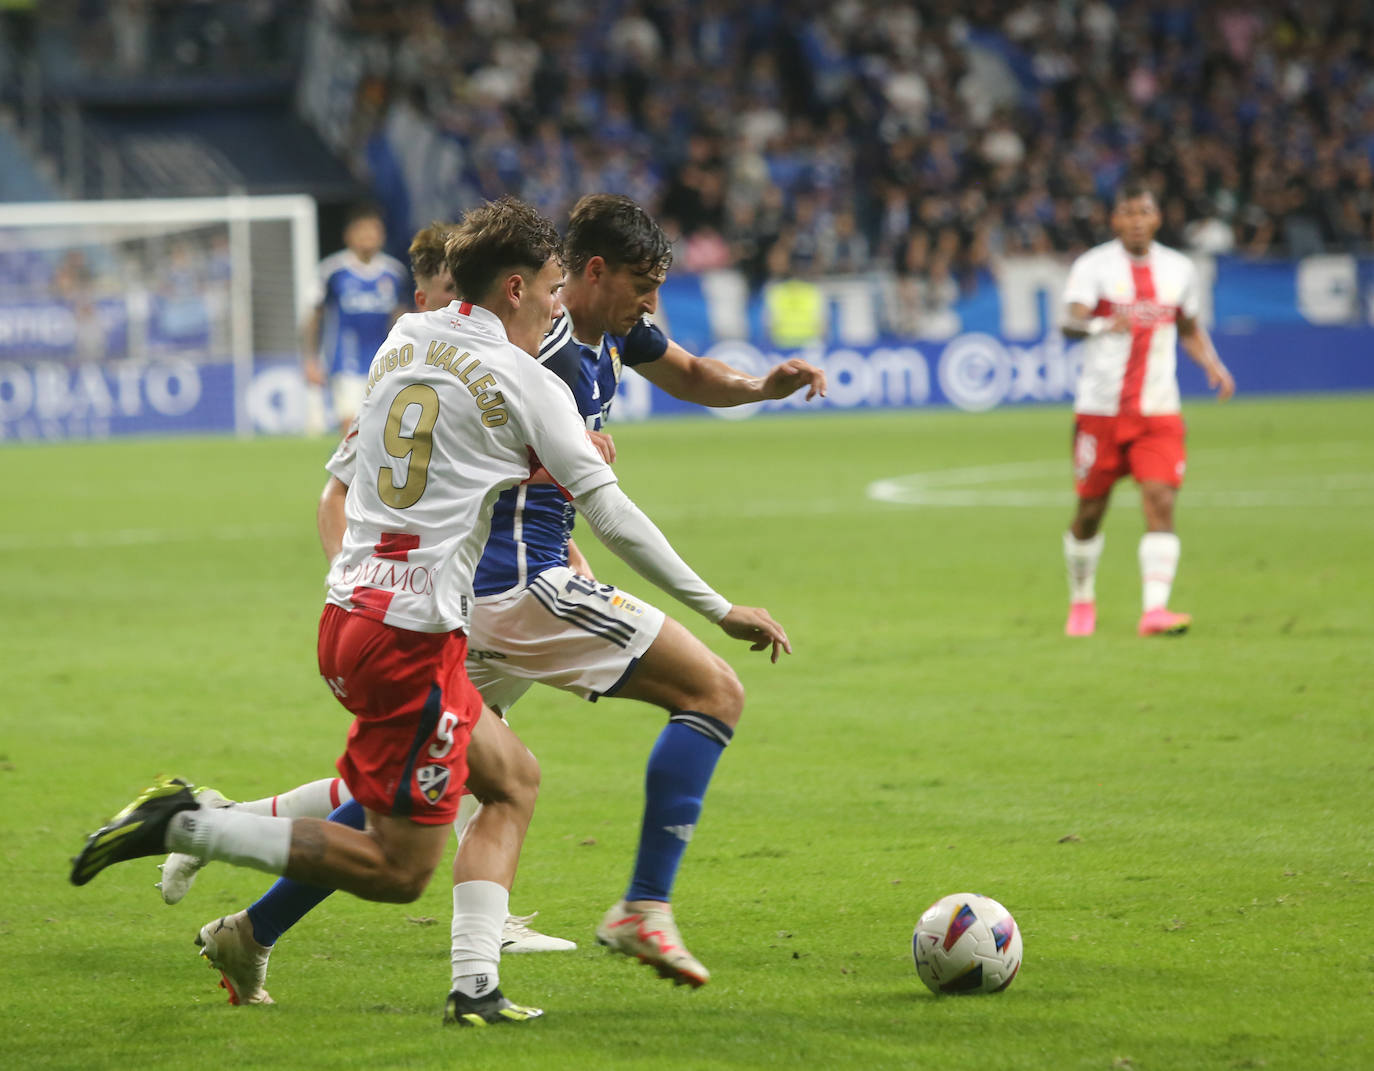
(1181,827)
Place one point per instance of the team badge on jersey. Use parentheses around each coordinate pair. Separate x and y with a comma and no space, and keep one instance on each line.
(626,606)
(433,781)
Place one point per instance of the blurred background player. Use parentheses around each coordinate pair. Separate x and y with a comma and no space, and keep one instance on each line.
(359,298)
(1133,301)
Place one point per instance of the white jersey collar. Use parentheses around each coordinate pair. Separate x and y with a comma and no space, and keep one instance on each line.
(478,314)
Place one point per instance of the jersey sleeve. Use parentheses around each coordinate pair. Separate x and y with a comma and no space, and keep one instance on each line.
(1190,300)
(1081,287)
(344,461)
(646,342)
(555,433)
(402,276)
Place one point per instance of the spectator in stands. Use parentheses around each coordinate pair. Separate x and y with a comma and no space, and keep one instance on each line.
(1253,117)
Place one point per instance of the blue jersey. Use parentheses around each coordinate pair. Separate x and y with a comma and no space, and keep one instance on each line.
(359,303)
(531,523)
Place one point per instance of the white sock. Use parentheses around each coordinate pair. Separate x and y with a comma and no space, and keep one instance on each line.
(315,800)
(479,911)
(231,836)
(1158,564)
(1080,556)
(468,807)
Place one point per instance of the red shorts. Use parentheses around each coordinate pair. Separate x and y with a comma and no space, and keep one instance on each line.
(1106,448)
(414,710)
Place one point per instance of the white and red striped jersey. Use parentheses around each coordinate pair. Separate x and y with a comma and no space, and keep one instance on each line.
(1135,372)
(454,414)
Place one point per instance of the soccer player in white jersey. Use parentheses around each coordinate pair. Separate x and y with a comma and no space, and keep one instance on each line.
(359,296)
(454,414)
(1133,301)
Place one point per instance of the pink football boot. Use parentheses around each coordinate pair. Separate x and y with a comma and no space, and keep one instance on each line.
(1162,622)
(1082,619)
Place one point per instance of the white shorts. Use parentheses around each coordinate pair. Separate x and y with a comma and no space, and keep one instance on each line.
(347,392)
(562,630)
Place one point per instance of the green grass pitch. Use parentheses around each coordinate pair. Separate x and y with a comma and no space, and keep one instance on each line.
(1183,828)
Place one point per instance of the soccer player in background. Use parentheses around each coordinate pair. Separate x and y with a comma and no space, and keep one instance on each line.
(359,297)
(453,416)
(540,617)
(1132,301)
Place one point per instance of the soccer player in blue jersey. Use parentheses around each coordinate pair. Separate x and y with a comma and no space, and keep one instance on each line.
(361,292)
(540,618)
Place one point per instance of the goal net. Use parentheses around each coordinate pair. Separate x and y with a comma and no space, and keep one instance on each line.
(136,317)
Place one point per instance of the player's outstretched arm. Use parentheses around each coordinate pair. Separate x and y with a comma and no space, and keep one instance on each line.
(631,536)
(1197,344)
(706,381)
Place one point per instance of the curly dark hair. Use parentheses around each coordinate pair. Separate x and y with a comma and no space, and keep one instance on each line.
(495,238)
(427,250)
(616,229)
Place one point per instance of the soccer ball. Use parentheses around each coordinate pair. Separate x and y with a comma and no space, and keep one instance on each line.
(966,943)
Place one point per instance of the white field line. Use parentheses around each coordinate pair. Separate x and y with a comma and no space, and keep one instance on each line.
(941,488)
(963,487)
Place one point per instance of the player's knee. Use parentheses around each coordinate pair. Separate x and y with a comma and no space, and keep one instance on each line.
(401,883)
(524,781)
(723,697)
(517,784)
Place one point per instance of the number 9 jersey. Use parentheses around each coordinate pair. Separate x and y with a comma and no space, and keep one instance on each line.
(454,414)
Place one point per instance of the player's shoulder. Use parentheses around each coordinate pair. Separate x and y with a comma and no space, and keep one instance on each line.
(342,260)
(392,265)
(559,337)
(1173,258)
(1101,255)
(645,342)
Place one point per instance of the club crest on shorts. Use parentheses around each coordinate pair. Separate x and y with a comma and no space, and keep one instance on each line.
(433,781)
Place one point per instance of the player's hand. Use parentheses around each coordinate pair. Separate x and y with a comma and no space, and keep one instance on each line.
(577,561)
(605,445)
(791,376)
(314,372)
(753,625)
(1120,322)
(1219,378)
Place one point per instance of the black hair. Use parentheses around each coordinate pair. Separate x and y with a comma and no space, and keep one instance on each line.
(616,229)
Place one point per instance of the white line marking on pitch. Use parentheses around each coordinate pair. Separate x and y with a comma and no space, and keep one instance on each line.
(964,487)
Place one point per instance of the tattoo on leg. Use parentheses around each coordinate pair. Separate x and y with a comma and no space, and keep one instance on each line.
(307,842)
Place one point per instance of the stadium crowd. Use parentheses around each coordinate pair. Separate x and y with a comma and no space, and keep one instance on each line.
(832,136)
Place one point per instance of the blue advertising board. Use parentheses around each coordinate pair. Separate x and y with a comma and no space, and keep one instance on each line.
(66,373)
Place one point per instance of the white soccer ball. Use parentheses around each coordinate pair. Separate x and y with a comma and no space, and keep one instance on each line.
(966,943)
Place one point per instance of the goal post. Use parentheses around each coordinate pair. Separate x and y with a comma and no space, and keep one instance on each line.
(141,316)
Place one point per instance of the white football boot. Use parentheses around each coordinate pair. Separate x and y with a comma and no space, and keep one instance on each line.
(227,945)
(516,936)
(645,930)
(179,870)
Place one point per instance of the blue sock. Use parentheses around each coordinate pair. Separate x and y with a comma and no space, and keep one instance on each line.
(287,902)
(680,768)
